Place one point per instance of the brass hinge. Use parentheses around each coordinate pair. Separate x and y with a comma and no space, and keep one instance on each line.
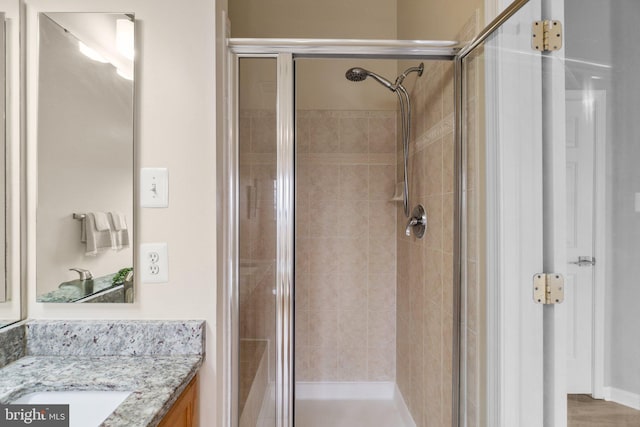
(548,288)
(546,36)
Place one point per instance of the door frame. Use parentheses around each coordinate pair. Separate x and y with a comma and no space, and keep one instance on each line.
(286,51)
(598,101)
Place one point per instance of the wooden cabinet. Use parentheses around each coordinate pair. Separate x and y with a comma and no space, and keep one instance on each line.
(184,413)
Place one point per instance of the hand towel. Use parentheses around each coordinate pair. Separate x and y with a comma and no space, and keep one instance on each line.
(102,221)
(96,241)
(119,234)
(119,221)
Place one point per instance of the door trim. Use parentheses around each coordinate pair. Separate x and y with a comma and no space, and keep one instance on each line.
(598,101)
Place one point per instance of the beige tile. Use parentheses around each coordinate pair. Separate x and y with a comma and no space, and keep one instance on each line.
(447,223)
(433,111)
(448,157)
(353,218)
(473,368)
(323,364)
(244,135)
(448,93)
(417,177)
(302,135)
(382,292)
(322,255)
(354,135)
(353,292)
(382,256)
(382,219)
(324,135)
(434,209)
(323,329)
(433,276)
(302,215)
(433,332)
(447,284)
(352,256)
(352,329)
(433,171)
(325,214)
(381,182)
(382,326)
(354,182)
(433,394)
(301,328)
(380,364)
(302,283)
(382,135)
(323,291)
(352,364)
(323,182)
(301,364)
(263,134)
(473,230)
(302,255)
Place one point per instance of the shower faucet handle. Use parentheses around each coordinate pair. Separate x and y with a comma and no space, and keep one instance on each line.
(417,222)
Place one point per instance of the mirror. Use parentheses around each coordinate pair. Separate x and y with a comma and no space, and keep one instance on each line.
(10,284)
(84,231)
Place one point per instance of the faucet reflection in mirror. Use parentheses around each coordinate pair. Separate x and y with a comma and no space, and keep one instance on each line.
(85,157)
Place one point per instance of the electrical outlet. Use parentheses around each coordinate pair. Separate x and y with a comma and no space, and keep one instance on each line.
(154,263)
(154,187)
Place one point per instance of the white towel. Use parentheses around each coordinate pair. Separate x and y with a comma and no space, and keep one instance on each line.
(102,221)
(119,233)
(96,241)
(119,221)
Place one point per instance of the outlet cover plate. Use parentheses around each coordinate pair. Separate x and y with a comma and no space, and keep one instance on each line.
(154,263)
(154,187)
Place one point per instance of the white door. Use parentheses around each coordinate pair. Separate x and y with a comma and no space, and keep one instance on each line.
(580,143)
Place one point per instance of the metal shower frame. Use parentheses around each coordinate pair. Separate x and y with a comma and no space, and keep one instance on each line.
(286,51)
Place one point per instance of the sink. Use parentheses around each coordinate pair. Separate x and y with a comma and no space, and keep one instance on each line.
(86,408)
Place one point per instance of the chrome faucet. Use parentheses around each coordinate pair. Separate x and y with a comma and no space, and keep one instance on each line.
(84,274)
(417,222)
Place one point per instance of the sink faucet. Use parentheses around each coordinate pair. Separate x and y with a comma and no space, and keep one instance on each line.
(84,274)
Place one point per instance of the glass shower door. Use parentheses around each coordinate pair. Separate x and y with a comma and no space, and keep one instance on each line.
(257,242)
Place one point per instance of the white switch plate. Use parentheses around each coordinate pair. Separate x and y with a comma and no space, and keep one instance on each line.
(154,187)
(154,263)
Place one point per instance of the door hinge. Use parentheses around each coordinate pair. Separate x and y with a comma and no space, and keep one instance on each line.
(546,36)
(548,288)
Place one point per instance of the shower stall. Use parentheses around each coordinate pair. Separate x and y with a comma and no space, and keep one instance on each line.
(345,295)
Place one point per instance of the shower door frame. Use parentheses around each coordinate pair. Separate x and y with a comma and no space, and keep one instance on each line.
(286,51)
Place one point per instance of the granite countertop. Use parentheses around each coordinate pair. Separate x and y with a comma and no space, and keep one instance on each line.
(155,360)
(155,382)
(76,290)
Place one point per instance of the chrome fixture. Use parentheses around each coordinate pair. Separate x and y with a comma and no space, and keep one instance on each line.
(84,274)
(358,74)
(584,261)
(418,222)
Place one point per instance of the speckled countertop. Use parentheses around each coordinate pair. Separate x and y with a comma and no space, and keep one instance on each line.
(155,360)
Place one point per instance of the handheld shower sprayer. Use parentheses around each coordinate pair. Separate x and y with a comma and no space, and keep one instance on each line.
(358,74)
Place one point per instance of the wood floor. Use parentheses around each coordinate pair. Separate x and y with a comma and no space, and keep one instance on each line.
(584,411)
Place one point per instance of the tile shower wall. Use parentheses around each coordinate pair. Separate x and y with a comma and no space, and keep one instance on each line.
(425,266)
(345,246)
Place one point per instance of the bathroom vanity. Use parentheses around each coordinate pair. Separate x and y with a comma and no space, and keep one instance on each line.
(156,362)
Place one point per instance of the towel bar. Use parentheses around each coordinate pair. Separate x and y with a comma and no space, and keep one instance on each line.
(79,216)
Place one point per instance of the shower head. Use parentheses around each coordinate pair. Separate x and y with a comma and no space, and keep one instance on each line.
(358,74)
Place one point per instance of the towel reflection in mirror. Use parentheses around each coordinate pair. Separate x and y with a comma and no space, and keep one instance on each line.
(104,231)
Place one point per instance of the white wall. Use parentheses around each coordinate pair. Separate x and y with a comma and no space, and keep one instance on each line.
(175,128)
(85,156)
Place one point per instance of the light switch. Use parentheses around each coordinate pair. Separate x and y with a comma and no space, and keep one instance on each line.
(154,187)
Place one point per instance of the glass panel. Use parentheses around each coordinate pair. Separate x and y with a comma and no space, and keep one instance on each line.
(373,305)
(84,231)
(501,243)
(257,241)
(602,211)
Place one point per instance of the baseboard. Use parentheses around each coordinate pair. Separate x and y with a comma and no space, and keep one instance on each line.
(402,407)
(345,390)
(623,397)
